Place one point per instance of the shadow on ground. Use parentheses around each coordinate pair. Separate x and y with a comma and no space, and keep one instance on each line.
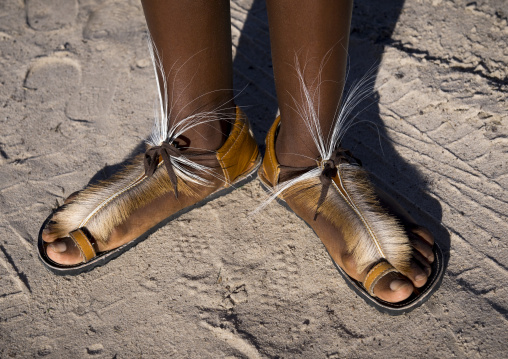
(372,26)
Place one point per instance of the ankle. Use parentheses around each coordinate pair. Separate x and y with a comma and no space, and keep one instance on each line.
(294,150)
(214,127)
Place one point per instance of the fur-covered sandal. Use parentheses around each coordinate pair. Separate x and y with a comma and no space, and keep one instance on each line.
(93,214)
(167,168)
(338,189)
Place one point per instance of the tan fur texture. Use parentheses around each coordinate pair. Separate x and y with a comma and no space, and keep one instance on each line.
(123,202)
(353,219)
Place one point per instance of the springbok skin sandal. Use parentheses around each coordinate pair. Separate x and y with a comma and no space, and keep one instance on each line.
(191,178)
(375,230)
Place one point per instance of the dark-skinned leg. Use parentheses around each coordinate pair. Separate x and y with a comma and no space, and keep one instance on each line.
(193,39)
(316,34)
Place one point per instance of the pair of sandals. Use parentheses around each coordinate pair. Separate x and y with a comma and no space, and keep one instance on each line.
(328,188)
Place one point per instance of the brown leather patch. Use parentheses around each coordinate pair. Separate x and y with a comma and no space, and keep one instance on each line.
(376,273)
(271,167)
(239,151)
(80,238)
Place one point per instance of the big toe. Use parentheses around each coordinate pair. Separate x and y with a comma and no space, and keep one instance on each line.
(64,251)
(393,288)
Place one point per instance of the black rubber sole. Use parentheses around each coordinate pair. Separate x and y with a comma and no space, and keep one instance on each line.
(104,257)
(413,302)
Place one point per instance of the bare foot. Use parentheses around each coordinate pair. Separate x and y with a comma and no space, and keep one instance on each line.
(64,250)
(394,287)
(120,209)
(359,225)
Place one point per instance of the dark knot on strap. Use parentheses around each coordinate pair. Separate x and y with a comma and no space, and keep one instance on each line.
(330,171)
(151,161)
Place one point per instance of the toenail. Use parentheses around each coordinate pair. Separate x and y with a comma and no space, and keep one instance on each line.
(420,277)
(430,258)
(58,247)
(46,231)
(397,284)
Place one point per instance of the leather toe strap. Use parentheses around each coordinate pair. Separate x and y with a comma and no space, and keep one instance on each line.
(377,272)
(84,242)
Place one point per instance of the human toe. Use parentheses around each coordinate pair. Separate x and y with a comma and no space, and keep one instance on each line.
(64,251)
(418,272)
(393,288)
(48,235)
(424,234)
(422,247)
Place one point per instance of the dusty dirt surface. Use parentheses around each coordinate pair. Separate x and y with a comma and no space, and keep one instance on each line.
(76,98)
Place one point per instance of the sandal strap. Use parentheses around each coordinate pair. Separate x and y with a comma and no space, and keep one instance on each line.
(271,167)
(377,272)
(84,243)
(239,150)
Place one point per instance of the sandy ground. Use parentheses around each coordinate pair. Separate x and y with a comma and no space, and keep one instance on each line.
(76,97)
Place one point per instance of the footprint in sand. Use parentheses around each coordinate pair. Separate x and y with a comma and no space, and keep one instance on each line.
(108,22)
(51,15)
(52,79)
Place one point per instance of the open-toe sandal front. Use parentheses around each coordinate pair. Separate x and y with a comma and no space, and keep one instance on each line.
(95,211)
(338,189)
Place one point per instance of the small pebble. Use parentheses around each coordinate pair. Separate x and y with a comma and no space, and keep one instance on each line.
(95,349)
